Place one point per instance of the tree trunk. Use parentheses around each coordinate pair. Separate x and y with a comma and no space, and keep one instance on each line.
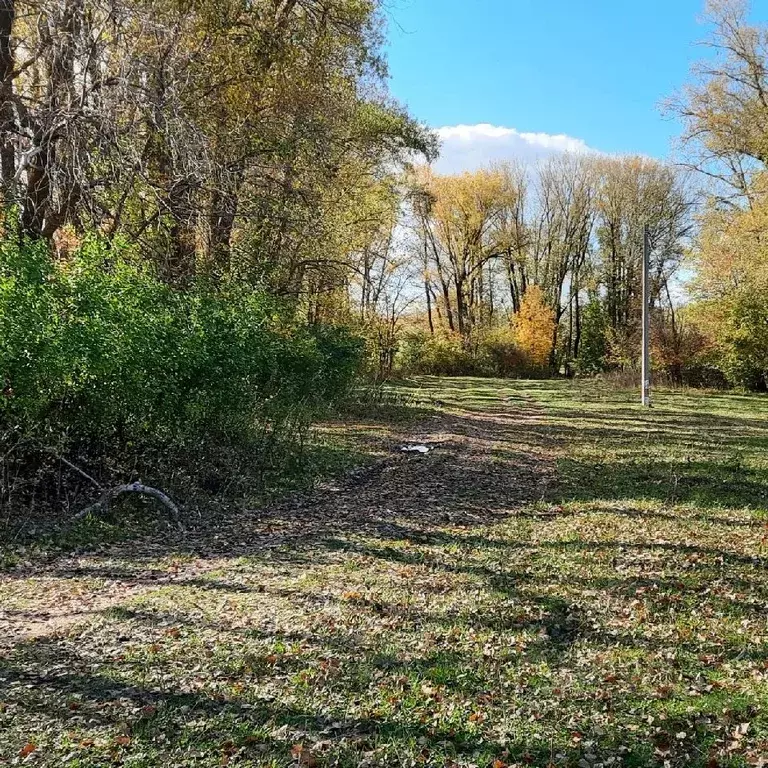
(221,222)
(7,123)
(446,298)
(577,322)
(428,292)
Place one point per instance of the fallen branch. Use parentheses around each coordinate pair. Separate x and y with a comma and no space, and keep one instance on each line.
(109,495)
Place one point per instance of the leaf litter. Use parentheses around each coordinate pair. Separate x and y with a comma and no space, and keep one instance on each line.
(469,610)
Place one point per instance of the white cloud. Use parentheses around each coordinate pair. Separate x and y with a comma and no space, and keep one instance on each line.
(466,147)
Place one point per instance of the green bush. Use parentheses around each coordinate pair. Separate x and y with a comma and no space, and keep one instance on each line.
(438,355)
(101,360)
(593,349)
(492,353)
(743,341)
(499,354)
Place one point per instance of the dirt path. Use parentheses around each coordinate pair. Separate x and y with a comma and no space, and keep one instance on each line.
(483,464)
(457,609)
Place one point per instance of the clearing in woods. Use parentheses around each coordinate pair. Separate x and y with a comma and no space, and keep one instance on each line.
(563,579)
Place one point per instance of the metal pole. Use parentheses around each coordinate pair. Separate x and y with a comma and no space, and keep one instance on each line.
(646,364)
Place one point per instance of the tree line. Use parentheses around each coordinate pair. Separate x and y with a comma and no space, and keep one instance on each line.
(570,227)
(215,217)
(471,255)
(554,250)
(219,136)
(255,141)
(183,185)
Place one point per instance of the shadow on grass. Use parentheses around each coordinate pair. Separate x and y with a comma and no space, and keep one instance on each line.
(524,633)
(219,719)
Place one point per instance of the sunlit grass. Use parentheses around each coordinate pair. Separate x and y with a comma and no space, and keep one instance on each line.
(617,619)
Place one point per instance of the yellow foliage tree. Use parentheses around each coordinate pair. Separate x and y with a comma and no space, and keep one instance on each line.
(534,327)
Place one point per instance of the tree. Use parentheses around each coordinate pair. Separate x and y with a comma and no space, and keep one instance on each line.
(593,350)
(563,228)
(725,108)
(726,116)
(534,327)
(636,193)
(380,290)
(732,288)
(461,220)
(223,137)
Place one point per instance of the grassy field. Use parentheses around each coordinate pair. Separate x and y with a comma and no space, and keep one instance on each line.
(564,579)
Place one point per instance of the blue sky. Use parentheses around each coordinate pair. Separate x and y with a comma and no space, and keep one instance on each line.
(593,70)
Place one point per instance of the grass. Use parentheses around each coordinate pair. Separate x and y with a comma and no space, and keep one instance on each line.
(608,610)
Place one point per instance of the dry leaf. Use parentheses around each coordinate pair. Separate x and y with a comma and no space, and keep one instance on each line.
(27,749)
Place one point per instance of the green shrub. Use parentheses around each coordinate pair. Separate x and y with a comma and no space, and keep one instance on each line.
(593,347)
(499,353)
(438,355)
(743,341)
(103,362)
(492,353)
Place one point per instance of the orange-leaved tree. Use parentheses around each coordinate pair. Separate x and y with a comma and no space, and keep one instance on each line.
(534,326)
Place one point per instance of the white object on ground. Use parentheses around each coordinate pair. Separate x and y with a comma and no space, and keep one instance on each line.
(415,449)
